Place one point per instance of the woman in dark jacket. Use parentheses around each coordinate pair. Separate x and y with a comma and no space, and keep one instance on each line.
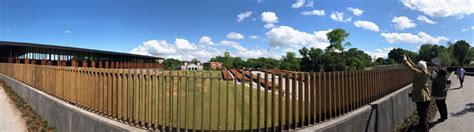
(439,92)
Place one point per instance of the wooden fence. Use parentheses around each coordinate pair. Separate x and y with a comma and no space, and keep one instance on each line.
(188,101)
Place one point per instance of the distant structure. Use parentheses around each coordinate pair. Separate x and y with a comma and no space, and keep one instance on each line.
(213,65)
(41,54)
(190,66)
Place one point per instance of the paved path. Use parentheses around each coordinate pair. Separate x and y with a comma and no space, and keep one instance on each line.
(10,117)
(460,103)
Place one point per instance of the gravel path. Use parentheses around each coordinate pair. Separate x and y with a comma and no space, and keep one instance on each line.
(10,117)
(460,103)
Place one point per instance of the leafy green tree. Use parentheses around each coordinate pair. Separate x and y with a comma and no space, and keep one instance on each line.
(226,59)
(194,61)
(355,63)
(332,61)
(311,59)
(336,38)
(396,55)
(460,51)
(380,61)
(365,58)
(290,62)
(238,62)
(171,64)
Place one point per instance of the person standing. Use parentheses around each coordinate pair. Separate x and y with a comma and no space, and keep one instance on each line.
(461,73)
(439,92)
(420,94)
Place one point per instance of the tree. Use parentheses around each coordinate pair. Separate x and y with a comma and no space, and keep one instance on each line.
(380,61)
(429,51)
(171,64)
(290,62)
(460,51)
(311,59)
(238,62)
(226,59)
(332,61)
(194,61)
(336,37)
(396,55)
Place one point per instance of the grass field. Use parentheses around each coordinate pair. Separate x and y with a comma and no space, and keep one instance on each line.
(214,103)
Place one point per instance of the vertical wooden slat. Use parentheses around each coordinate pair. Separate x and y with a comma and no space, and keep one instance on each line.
(286,117)
(294,100)
(210,100)
(273,117)
(250,102)
(258,99)
(265,105)
(235,103)
(194,100)
(171,107)
(186,101)
(163,87)
(300,96)
(178,103)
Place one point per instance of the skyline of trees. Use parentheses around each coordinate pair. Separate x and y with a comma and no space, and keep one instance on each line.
(336,58)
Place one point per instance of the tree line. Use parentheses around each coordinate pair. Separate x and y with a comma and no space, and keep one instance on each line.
(337,58)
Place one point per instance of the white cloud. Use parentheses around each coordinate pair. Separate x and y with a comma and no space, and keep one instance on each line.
(154,47)
(161,48)
(243,15)
(297,4)
(301,3)
(402,22)
(339,17)
(425,19)
(234,35)
(441,8)
(206,40)
(233,44)
(314,12)
(467,29)
(254,37)
(284,36)
(184,44)
(355,11)
(380,52)
(420,38)
(367,25)
(67,31)
(270,18)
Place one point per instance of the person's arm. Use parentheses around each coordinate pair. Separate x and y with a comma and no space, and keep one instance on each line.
(410,66)
(410,61)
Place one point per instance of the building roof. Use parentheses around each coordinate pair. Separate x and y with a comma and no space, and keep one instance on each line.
(45,46)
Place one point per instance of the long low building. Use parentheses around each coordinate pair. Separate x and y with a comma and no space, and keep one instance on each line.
(42,54)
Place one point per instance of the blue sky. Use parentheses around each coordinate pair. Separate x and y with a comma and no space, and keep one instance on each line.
(205,28)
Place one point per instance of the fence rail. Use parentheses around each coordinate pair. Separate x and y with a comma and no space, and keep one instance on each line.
(177,100)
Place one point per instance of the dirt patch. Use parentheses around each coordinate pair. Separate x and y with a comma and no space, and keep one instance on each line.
(410,123)
(33,121)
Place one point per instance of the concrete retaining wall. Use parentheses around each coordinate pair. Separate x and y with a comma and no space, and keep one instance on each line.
(382,115)
(63,116)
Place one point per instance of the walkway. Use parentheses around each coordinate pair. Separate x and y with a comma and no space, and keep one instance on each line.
(10,117)
(460,102)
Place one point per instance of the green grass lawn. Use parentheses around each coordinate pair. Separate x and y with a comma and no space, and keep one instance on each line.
(230,101)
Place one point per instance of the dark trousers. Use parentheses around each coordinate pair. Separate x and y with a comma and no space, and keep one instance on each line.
(422,109)
(443,111)
(461,81)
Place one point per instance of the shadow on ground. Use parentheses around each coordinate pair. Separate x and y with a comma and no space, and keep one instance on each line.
(469,108)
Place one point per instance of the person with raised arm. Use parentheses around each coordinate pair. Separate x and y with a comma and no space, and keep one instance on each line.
(420,93)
